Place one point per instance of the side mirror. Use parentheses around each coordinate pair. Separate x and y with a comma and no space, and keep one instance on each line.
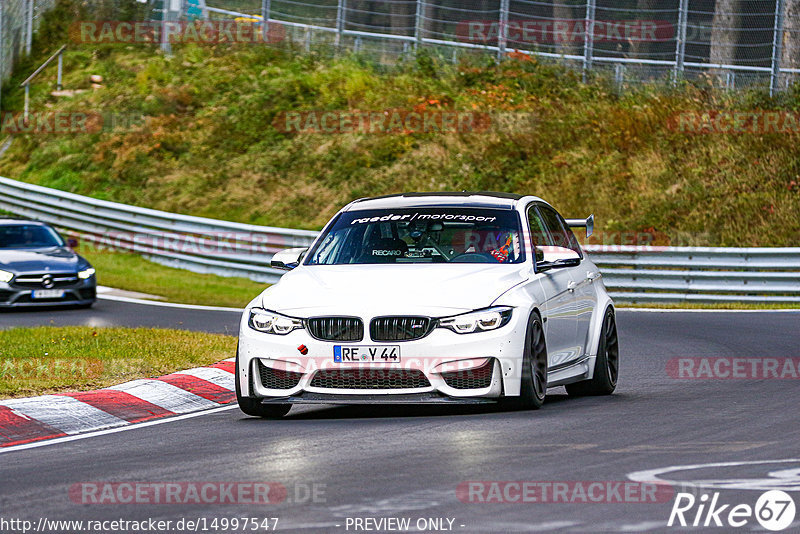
(72,243)
(555,258)
(288,259)
(587,223)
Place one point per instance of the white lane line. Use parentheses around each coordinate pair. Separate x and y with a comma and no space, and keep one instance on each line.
(165,395)
(220,377)
(64,413)
(105,432)
(131,300)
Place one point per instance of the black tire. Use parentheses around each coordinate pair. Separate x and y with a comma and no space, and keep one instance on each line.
(606,367)
(533,388)
(252,406)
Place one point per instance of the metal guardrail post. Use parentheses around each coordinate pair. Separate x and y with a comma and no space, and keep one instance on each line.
(680,41)
(588,37)
(26,84)
(777,47)
(60,75)
(502,35)
(341,8)
(266,7)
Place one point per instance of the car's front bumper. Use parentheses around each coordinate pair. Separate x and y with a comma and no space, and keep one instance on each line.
(80,293)
(441,357)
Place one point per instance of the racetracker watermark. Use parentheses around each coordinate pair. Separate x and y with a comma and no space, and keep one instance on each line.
(548,31)
(391,121)
(735,122)
(197,32)
(734,368)
(212,493)
(46,368)
(210,244)
(67,122)
(562,492)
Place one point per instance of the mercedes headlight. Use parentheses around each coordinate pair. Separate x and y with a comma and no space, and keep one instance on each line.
(6,276)
(478,321)
(86,273)
(273,323)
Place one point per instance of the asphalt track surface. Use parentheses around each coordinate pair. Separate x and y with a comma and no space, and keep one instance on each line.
(408,461)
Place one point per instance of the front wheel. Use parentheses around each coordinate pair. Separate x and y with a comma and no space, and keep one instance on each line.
(606,366)
(534,370)
(252,406)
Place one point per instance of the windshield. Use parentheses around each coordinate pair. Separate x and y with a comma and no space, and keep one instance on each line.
(29,236)
(421,235)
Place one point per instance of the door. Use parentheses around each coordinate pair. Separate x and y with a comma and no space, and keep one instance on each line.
(560,323)
(582,277)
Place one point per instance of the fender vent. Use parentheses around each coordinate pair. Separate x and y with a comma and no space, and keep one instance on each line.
(277,378)
(477,378)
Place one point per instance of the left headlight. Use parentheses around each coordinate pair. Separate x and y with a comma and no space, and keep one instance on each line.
(6,276)
(86,273)
(270,322)
(478,321)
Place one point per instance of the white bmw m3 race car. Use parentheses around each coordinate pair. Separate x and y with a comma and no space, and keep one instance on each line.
(431,298)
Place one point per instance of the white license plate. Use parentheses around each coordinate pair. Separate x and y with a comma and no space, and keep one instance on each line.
(48,293)
(366,353)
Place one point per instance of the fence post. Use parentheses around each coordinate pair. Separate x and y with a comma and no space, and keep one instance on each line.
(588,37)
(2,52)
(266,7)
(502,34)
(27,105)
(680,41)
(60,70)
(28,26)
(619,76)
(340,18)
(165,44)
(419,23)
(777,47)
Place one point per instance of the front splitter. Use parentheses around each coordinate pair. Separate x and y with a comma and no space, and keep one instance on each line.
(413,398)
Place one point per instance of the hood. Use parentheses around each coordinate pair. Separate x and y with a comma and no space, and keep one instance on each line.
(58,259)
(374,290)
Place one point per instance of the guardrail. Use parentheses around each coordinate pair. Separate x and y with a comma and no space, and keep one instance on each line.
(699,274)
(193,243)
(632,274)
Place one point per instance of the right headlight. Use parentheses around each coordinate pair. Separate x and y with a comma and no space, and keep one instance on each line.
(270,322)
(6,276)
(477,321)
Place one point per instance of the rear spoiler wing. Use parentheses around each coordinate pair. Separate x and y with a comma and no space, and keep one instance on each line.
(587,223)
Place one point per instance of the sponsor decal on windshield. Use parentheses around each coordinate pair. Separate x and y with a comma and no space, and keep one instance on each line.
(458,217)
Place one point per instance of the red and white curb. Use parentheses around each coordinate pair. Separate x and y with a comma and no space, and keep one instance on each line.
(66,414)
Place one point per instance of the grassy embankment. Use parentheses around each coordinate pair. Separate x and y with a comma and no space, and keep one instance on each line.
(51,359)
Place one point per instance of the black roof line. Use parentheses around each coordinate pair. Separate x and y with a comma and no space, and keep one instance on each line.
(493,194)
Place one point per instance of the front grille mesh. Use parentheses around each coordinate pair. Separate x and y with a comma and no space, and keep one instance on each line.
(35,280)
(399,328)
(370,379)
(277,378)
(336,328)
(477,378)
